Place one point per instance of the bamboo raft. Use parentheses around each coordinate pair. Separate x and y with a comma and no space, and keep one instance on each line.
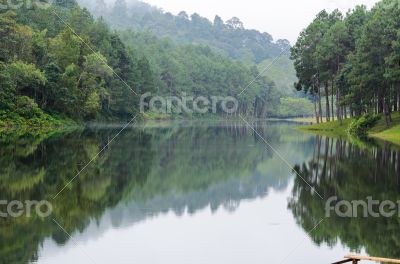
(355,259)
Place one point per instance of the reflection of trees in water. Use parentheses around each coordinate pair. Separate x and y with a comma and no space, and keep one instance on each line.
(201,168)
(171,168)
(57,160)
(341,169)
(227,194)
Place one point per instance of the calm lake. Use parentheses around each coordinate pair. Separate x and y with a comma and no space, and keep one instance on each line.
(194,192)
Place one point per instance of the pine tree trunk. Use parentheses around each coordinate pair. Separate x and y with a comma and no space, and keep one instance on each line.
(315,110)
(338,107)
(380,103)
(332,103)
(397,99)
(328,119)
(385,112)
(320,105)
(389,109)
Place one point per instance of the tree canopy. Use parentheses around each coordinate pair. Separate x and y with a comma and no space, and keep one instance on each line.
(352,59)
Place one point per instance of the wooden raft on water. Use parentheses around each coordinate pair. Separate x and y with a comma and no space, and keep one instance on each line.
(355,259)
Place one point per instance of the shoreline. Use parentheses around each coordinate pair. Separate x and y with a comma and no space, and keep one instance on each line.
(378,131)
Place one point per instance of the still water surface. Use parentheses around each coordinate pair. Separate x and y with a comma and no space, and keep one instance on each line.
(198,192)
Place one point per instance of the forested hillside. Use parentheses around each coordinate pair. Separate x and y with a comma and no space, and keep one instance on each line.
(281,71)
(230,37)
(197,70)
(60,61)
(352,61)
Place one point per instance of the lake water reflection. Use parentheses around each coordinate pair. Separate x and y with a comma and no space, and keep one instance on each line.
(193,192)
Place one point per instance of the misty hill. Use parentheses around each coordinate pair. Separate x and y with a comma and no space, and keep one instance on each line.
(229,37)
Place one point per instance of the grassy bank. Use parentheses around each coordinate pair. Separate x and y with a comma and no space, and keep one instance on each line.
(379,131)
(11,122)
(333,129)
(392,135)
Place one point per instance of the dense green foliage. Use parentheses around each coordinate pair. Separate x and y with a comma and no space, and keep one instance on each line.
(354,59)
(360,126)
(294,107)
(230,37)
(198,71)
(61,61)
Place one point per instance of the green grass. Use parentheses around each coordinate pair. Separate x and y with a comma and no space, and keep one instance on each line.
(381,126)
(329,128)
(379,131)
(392,135)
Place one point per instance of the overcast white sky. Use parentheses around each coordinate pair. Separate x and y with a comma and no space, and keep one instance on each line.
(280,18)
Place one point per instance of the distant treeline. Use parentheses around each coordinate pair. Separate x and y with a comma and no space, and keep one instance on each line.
(192,51)
(353,61)
(61,61)
(229,37)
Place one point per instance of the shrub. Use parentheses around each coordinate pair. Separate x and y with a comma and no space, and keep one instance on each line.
(27,108)
(360,126)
